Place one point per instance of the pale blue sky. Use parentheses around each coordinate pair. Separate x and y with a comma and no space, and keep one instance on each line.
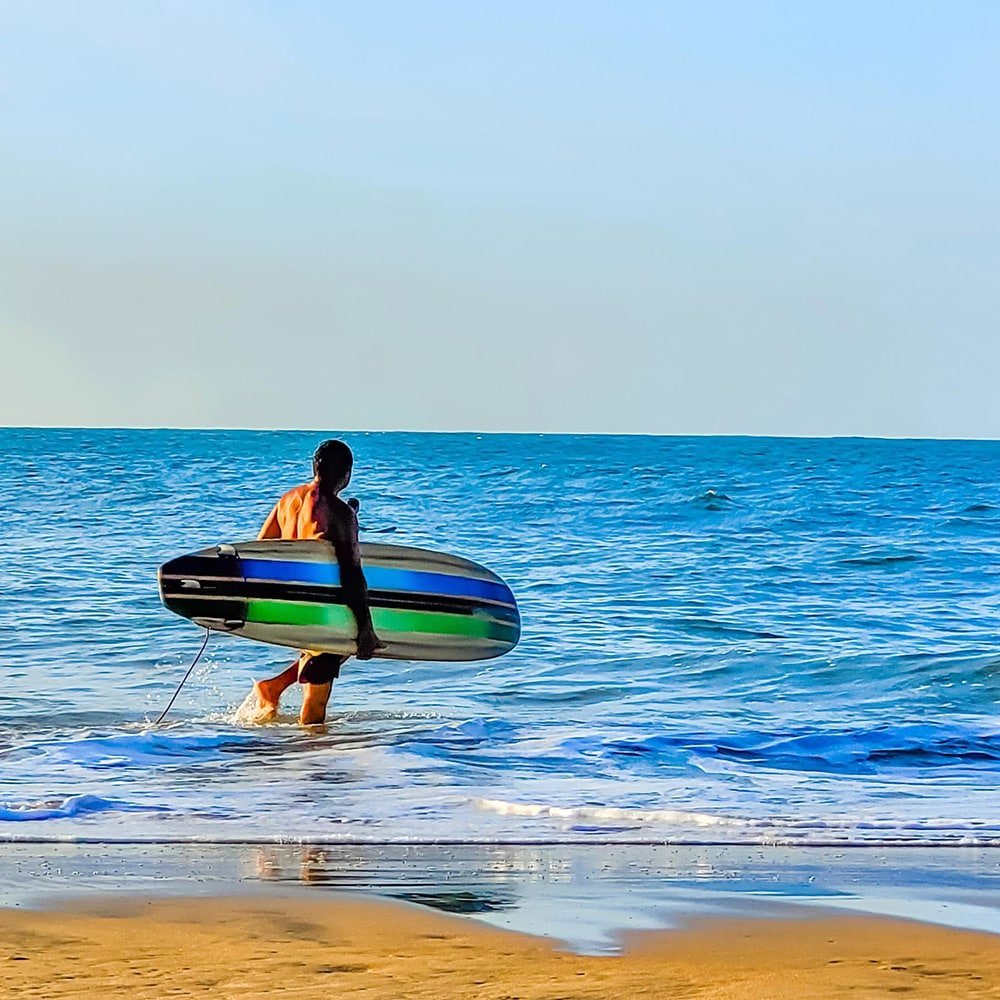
(718,217)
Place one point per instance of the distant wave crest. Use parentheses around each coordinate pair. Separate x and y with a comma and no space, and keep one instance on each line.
(712,500)
(876,559)
(979,508)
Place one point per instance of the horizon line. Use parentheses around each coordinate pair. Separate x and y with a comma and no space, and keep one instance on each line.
(487,433)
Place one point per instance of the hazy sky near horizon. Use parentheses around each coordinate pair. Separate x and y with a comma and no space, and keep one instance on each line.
(735,217)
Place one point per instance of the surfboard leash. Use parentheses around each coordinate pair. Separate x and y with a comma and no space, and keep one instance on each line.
(194,663)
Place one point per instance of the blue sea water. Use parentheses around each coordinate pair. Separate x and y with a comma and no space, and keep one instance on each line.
(733,640)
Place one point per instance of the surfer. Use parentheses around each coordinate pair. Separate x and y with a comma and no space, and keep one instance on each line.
(315,510)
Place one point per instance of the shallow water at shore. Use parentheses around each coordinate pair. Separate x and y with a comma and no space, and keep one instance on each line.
(585,896)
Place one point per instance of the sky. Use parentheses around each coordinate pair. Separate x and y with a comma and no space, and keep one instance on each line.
(714,217)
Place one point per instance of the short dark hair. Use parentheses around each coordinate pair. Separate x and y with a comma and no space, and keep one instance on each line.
(332,461)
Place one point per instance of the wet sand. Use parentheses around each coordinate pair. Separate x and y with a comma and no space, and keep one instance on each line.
(238,947)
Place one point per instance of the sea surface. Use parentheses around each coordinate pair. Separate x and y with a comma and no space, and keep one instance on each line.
(725,640)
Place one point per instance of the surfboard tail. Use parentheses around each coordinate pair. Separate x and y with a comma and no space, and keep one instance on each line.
(205,587)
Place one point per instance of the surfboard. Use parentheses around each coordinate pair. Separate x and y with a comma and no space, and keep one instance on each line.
(425,605)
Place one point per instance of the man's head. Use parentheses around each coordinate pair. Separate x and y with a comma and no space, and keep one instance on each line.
(332,464)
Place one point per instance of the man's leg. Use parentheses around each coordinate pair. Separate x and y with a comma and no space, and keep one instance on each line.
(314,701)
(269,692)
(316,675)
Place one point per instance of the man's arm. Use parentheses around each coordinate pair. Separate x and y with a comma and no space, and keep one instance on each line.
(352,578)
(271,528)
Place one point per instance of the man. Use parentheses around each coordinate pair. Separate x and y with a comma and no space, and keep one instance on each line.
(315,510)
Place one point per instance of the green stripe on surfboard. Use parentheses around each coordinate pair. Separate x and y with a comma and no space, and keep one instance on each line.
(338,618)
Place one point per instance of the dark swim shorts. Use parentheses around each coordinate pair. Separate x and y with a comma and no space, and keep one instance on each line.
(320,668)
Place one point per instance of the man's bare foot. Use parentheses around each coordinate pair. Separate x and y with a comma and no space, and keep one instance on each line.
(268,693)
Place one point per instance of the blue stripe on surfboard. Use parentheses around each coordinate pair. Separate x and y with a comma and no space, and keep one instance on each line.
(378,578)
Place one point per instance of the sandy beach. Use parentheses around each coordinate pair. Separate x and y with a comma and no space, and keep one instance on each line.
(250,947)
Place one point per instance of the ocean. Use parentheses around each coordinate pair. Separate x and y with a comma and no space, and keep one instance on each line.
(725,641)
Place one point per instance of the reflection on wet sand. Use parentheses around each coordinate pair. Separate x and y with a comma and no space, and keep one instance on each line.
(322,867)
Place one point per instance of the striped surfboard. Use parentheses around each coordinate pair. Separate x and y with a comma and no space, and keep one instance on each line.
(425,605)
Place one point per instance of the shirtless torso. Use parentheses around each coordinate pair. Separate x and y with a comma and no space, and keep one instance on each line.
(303,512)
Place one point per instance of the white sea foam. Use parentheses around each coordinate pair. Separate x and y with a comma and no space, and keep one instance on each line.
(607,813)
(983,831)
(249,713)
